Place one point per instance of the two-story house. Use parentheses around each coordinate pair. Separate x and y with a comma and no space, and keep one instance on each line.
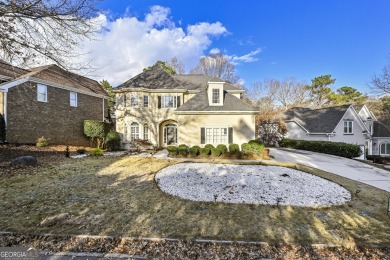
(48,101)
(348,124)
(182,109)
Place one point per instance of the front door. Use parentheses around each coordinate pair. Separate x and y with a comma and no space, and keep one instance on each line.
(170,134)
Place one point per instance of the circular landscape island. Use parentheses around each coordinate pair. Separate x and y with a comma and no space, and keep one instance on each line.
(249,184)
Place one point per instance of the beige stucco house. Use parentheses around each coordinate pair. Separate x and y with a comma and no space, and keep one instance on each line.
(182,109)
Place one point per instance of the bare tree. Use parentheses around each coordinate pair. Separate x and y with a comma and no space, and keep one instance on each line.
(45,30)
(292,93)
(263,94)
(217,65)
(380,83)
(177,65)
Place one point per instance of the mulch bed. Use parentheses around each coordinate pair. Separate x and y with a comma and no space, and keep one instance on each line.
(188,249)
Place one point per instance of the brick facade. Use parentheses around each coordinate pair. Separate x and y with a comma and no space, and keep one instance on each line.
(29,119)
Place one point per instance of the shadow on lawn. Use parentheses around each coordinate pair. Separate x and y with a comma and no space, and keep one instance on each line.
(119,197)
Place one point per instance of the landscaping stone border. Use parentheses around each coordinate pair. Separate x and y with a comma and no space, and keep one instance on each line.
(96,247)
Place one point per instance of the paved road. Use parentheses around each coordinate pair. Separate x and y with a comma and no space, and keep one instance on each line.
(341,166)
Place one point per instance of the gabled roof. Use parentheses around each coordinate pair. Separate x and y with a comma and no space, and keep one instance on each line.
(200,102)
(8,70)
(154,78)
(53,74)
(381,130)
(322,120)
(200,81)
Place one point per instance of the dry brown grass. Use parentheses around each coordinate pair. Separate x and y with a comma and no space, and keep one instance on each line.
(118,196)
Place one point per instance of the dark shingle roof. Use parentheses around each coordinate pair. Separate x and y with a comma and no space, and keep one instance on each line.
(153,78)
(6,69)
(322,120)
(157,78)
(55,74)
(200,102)
(381,130)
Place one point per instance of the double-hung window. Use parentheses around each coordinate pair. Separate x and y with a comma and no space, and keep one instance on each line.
(42,93)
(215,96)
(134,100)
(348,127)
(134,131)
(146,101)
(146,132)
(73,99)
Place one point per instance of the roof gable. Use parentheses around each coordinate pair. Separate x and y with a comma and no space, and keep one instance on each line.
(322,120)
(8,70)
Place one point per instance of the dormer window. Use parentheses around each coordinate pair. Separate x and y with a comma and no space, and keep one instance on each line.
(215,96)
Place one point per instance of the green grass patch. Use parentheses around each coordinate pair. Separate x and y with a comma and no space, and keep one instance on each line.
(118,196)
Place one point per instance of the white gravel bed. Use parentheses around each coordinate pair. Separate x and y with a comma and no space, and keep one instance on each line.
(250,184)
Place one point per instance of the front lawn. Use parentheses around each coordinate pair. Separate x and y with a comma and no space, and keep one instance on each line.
(118,196)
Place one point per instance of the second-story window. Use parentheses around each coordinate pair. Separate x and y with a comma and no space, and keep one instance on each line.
(348,127)
(146,101)
(215,96)
(73,99)
(134,100)
(42,93)
(169,101)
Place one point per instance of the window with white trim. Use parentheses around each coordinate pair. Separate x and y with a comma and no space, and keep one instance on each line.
(41,93)
(385,149)
(146,132)
(73,99)
(168,101)
(134,100)
(215,95)
(348,127)
(146,101)
(134,131)
(217,135)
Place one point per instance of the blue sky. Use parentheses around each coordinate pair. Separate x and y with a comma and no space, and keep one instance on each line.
(268,39)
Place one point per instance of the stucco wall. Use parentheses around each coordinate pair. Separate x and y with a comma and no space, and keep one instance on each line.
(56,120)
(189,127)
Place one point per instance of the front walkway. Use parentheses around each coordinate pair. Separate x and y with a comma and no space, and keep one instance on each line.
(344,167)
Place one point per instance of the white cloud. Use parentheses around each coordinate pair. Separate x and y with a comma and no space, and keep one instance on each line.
(250,57)
(127,44)
(215,51)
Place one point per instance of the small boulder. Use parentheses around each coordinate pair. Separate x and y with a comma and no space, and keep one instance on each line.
(24,161)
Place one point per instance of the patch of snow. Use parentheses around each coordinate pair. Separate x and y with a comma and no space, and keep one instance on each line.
(249,184)
(78,156)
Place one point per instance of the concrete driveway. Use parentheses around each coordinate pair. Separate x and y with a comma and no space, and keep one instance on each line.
(348,168)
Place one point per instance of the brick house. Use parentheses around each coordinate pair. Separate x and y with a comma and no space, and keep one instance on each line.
(48,101)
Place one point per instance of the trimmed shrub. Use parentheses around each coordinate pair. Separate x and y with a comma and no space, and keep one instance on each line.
(113,141)
(172,150)
(246,149)
(194,150)
(215,152)
(97,152)
(338,149)
(257,147)
(223,148)
(209,146)
(183,149)
(204,151)
(234,148)
(3,130)
(42,142)
(96,130)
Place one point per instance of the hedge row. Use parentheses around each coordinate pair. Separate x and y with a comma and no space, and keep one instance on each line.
(339,149)
(253,147)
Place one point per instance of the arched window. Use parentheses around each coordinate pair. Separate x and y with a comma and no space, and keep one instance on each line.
(385,149)
(146,132)
(134,131)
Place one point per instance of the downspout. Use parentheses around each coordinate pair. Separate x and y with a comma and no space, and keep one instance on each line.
(5,107)
(103,110)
